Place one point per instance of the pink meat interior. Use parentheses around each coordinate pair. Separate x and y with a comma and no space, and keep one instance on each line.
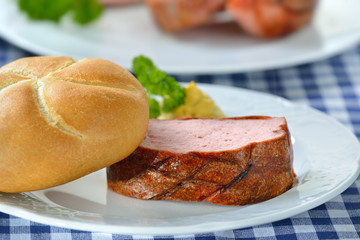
(210,135)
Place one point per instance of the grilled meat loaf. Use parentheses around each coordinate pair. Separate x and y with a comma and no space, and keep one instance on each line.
(230,161)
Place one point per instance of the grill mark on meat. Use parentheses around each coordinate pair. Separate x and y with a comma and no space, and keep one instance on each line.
(219,188)
(169,191)
(159,164)
(236,180)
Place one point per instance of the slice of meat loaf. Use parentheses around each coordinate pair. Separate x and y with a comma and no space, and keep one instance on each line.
(229,161)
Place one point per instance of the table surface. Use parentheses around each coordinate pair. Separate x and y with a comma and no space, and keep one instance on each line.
(331,86)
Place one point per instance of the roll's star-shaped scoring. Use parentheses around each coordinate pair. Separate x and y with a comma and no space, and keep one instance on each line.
(61,119)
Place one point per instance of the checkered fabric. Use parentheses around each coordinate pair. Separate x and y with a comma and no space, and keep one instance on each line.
(332,86)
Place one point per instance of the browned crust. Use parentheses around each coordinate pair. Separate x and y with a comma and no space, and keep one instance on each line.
(254,173)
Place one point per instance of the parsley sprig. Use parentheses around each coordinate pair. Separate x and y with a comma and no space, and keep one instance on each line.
(159,86)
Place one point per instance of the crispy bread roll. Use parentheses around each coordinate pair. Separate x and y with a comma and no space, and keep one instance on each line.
(61,119)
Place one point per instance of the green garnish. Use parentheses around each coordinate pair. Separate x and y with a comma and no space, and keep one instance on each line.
(158,85)
(83,11)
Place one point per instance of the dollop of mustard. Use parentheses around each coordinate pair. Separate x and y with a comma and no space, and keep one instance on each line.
(197,104)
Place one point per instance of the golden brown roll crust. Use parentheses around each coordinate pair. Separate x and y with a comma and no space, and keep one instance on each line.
(61,119)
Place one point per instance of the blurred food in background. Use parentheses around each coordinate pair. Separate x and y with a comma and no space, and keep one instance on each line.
(266,19)
(174,15)
(271,18)
(82,11)
(261,18)
(120,2)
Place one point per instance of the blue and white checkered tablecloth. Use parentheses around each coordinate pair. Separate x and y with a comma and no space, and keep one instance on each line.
(331,85)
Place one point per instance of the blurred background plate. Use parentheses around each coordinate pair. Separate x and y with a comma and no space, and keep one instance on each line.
(123,33)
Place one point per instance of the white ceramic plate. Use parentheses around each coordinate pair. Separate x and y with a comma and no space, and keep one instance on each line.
(121,34)
(320,145)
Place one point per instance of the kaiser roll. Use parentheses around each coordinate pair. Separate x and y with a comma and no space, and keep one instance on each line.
(61,119)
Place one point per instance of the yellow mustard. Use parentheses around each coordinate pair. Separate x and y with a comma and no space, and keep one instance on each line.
(197,104)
